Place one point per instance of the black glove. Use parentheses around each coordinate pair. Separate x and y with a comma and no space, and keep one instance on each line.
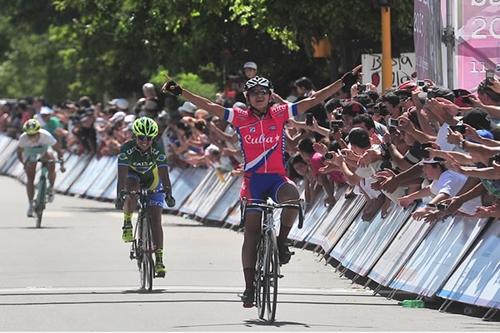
(172,87)
(120,200)
(169,199)
(119,203)
(348,79)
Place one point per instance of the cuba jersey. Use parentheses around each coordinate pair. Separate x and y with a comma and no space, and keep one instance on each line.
(262,138)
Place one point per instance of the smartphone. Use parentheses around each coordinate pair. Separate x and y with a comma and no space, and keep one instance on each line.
(466,100)
(336,123)
(420,83)
(393,130)
(361,88)
(458,128)
(393,122)
(490,74)
(438,206)
(328,156)
(309,119)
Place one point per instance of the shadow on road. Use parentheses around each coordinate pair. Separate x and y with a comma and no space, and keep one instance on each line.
(91,209)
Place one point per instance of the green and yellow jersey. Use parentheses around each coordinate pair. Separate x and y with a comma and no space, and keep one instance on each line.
(143,164)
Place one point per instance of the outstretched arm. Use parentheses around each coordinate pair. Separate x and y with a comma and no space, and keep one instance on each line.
(321,95)
(199,101)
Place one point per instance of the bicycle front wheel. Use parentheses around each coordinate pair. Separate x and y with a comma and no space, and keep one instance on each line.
(40,200)
(271,269)
(147,264)
(260,283)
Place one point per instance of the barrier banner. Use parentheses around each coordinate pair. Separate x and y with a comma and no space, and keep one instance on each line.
(86,178)
(407,240)
(351,237)
(223,207)
(17,170)
(10,157)
(339,224)
(222,184)
(186,183)
(110,192)
(109,172)
(477,279)
(200,193)
(234,216)
(437,255)
(375,240)
(312,217)
(5,141)
(75,165)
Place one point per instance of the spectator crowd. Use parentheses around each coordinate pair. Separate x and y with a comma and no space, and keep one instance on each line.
(419,142)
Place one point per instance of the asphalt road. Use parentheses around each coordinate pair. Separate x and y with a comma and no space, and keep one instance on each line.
(74,274)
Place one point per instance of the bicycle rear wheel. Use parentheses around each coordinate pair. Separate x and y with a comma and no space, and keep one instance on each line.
(40,200)
(147,264)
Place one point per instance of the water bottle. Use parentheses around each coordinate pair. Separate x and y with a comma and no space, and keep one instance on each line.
(412,303)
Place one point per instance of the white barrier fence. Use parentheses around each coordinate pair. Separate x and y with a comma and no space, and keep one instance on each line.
(457,259)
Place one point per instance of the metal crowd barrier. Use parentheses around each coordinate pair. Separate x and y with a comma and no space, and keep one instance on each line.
(457,259)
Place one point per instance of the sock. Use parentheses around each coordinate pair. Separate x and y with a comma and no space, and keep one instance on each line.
(159,255)
(284,231)
(249,277)
(127,218)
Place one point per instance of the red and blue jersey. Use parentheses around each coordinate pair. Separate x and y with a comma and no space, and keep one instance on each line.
(262,138)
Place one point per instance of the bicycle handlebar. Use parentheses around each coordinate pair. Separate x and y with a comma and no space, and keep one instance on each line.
(274,206)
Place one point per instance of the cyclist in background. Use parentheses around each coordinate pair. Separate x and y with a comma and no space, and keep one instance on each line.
(34,144)
(142,163)
(261,130)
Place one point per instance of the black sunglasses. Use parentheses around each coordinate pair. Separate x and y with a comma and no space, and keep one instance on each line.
(144,138)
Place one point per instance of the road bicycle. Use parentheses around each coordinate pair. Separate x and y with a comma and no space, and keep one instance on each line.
(142,247)
(267,271)
(41,190)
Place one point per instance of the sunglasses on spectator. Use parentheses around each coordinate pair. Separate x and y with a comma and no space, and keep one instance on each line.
(259,92)
(144,138)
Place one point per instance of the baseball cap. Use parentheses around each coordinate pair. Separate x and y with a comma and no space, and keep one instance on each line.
(250,64)
(187,107)
(118,116)
(435,160)
(148,85)
(477,118)
(46,110)
(120,103)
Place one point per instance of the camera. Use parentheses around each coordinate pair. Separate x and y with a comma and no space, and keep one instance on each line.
(328,156)
(309,119)
(420,83)
(490,74)
(361,88)
(393,122)
(467,100)
(438,206)
(458,128)
(335,125)
(423,152)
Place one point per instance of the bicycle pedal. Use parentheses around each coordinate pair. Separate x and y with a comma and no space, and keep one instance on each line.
(160,275)
(280,276)
(292,253)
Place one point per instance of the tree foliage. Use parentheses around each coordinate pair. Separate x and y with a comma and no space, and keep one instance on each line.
(67,48)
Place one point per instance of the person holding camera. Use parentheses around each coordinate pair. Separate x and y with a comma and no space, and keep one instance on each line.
(142,163)
(261,127)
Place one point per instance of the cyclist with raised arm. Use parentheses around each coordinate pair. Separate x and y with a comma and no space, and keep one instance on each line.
(35,144)
(142,163)
(262,138)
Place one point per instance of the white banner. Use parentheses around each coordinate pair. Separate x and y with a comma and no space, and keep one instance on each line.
(403,68)
(437,255)
(477,279)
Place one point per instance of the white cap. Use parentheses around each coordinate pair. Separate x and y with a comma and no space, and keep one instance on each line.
(129,118)
(148,85)
(120,103)
(187,107)
(250,64)
(119,116)
(46,110)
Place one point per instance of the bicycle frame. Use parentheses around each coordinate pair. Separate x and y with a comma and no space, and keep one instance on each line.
(142,247)
(267,270)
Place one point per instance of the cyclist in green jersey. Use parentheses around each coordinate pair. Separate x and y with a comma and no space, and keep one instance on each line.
(142,163)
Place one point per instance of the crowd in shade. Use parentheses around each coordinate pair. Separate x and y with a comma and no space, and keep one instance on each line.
(416,142)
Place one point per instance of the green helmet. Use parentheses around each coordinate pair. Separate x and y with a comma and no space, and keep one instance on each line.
(31,126)
(145,126)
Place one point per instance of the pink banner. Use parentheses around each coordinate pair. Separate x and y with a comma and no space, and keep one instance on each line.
(478,46)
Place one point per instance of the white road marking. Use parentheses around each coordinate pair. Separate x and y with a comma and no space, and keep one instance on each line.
(187,289)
